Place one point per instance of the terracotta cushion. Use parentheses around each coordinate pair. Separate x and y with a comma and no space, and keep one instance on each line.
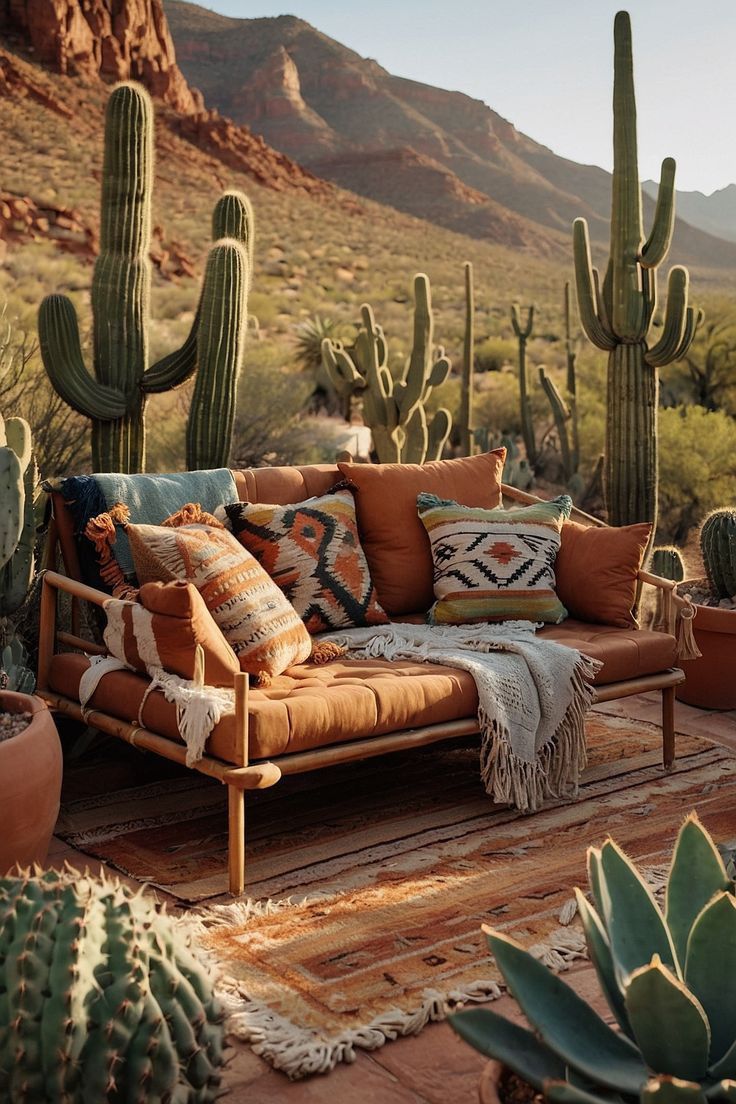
(596,571)
(286,484)
(312,706)
(625,653)
(258,622)
(394,540)
(163,629)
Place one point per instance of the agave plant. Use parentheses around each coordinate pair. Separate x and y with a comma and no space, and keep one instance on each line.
(668,978)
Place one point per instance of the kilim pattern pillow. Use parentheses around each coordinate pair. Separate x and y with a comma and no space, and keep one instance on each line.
(163,629)
(313,552)
(255,618)
(494,565)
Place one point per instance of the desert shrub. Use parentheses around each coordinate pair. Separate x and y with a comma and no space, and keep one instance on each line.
(493,353)
(697,468)
(269,427)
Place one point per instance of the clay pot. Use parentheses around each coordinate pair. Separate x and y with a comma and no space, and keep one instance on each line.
(30,784)
(710,682)
(489,1082)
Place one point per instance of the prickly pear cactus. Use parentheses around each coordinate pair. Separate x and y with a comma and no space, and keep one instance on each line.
(100,999)
(718,545)
(18,486)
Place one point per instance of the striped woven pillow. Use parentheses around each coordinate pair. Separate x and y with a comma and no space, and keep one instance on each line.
(494,565)
(163,629)
(255,618)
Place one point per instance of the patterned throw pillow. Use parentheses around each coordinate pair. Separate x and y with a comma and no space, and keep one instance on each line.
(313,552)
(163,629)
(494,565)
(258,622)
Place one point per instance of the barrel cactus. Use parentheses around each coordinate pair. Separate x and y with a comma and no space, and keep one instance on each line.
(114,398)
(100,999)
(667,977)
(667,562)
(718,545)
(18,489)
(619,314)
(395,410)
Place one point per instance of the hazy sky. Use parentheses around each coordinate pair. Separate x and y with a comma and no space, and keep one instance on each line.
(547,66)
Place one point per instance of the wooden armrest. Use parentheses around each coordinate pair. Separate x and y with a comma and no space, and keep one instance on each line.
(77,590)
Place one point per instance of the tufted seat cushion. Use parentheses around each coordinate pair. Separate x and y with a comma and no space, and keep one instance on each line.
(311,706)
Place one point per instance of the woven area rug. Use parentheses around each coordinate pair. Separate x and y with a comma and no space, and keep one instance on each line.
(369,884)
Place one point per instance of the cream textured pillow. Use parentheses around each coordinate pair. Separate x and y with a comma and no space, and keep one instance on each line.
(494,565)
(255,618)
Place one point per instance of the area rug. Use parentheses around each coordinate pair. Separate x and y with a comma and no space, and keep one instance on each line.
(369,884)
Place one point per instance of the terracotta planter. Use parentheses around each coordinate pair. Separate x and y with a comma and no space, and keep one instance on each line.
(710,681)
(489,1082)
(30,784)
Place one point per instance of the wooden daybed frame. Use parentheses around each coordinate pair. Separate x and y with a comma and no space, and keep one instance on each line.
(245,775)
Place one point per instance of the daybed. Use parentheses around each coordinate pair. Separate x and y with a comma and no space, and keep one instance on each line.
(313,716)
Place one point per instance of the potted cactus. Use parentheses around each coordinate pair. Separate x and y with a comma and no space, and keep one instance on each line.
(101,998)
(30,752)
(667,977)
(710,682)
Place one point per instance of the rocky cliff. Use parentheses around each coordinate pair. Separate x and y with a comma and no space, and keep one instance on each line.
(112,39)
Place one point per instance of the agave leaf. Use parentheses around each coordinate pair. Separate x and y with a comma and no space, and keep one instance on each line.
(710,969)
(562,1092)
(597,882)
(725,1068)
(566,1023)
(696,875)
(635,925)
(599,951)
(672,1090)
(668,1022)
(515,1046)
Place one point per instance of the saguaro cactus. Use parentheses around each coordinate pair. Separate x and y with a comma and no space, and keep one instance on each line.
(114,397)
(18,483)
(395,410)
(617,315)
(466,390)
(523,334)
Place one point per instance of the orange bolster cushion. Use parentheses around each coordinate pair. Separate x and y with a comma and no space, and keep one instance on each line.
(163,629)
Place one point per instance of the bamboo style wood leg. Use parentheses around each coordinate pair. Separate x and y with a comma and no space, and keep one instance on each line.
(236,839)
(668,727)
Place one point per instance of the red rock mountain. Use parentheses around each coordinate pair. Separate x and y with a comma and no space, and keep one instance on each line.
(433,153)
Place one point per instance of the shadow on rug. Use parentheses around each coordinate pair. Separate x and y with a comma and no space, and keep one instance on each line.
(369,883)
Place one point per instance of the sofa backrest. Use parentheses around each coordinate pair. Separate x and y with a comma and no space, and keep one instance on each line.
(280,485)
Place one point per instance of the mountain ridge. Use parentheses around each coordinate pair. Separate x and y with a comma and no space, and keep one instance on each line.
(349,120)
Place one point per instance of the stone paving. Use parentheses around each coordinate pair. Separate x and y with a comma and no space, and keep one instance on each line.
(434,1067)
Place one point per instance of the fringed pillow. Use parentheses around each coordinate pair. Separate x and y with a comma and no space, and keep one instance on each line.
(163,629)
(494,565)
(261,626)
(312,551)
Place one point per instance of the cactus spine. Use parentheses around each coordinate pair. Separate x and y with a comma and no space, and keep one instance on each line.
(523,333)
(18,484)
(466,392)
(114,397)
(718,546)
(395,410)
(667,563)
(617,315)
(100,999)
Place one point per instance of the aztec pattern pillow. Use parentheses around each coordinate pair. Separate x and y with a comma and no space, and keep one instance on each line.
(255,618)
(163,629)
(494,565)
(313,552)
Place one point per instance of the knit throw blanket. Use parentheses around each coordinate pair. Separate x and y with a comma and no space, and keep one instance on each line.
(532,698)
